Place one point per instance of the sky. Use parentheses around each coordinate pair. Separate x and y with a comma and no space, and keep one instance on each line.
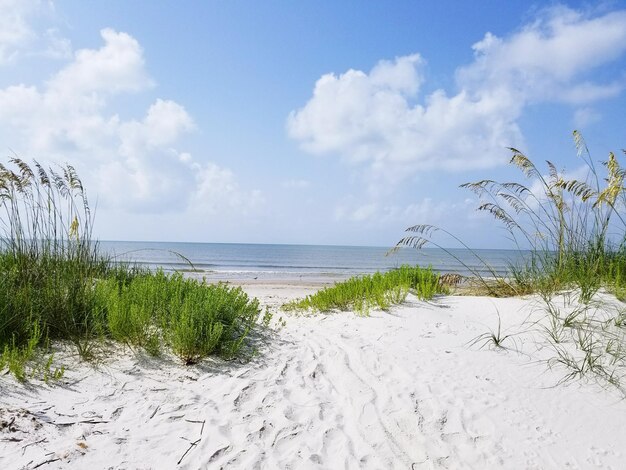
(309,122)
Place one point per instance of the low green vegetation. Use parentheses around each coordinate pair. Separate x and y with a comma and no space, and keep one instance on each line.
(575,234)
(55,285)
(192,318)
(379,290)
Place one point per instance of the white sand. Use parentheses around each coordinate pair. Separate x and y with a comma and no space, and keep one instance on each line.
(394,390)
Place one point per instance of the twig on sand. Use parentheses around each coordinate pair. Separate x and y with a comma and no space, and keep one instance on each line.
(32,444)
(45,462)
(191,446)
(84,421)
(155,411)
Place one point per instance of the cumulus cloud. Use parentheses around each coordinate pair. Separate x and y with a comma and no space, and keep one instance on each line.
(380,120)
(118,66)
(131,164)
(368,118)
(543,60)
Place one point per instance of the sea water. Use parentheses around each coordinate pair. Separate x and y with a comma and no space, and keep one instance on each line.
(301,262)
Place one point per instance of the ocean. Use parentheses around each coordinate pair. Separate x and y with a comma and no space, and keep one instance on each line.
(238,261)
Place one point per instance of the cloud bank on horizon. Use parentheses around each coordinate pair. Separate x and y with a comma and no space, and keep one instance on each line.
(380,119)
(388,125)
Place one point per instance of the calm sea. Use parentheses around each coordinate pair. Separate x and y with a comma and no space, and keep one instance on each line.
(226,261)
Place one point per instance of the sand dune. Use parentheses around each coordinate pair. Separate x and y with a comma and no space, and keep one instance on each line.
(402,390)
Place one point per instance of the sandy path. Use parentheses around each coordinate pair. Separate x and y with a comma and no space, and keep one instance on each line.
(395,390)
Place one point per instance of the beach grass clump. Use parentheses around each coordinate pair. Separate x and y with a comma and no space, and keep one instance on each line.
(573,230)
(379,290)
(47,259)
(56,285)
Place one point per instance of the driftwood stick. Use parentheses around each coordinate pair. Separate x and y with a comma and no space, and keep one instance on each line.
(191,446)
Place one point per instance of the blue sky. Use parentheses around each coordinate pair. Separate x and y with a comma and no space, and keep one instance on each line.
(322,122)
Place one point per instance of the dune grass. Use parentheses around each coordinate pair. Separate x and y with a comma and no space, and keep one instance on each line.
(575,230)
(379,290)
(56,285)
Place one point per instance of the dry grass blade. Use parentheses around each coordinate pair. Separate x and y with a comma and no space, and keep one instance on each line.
(480,187)
(499,214)
(423,229)
(515,202)
(516,188)
(524,163)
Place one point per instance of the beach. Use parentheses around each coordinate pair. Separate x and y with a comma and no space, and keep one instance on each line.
(312,235)
(402,389)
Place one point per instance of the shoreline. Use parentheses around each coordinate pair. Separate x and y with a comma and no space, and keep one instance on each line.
(402,389)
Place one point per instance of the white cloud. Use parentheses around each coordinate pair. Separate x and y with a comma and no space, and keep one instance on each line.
(164,123)
(380,121)
(364,119)
(56,46)
(218,190)
(19,38)
(378,214)
(116,67)
(364,212)
(15,31)
(542,60)
(296,184)
(130,164)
